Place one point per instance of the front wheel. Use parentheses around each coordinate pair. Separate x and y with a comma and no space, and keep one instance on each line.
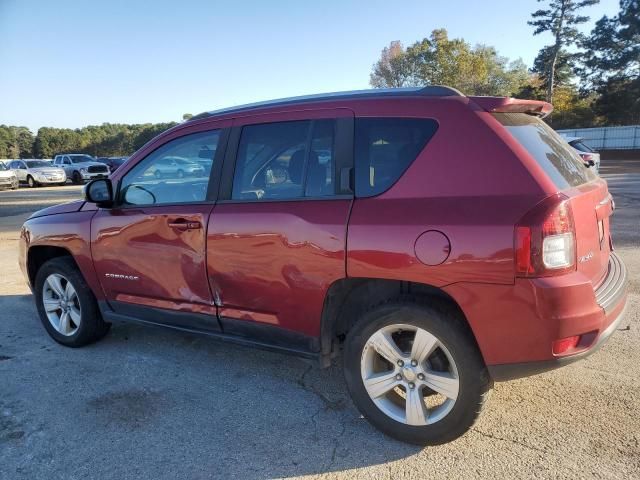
(415,372)
(66,305)
(31,182)
(76,178)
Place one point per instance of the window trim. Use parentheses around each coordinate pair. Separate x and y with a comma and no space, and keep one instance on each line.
(343,152)
(214,175)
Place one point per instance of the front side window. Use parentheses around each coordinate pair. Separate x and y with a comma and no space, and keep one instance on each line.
(174,173)
(384,149)
(285,160)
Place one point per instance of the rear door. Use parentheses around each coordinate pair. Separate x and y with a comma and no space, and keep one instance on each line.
(149,250)
(277,236)
(590,200)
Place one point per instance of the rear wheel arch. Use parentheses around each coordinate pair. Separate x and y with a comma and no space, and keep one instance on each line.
(348,298)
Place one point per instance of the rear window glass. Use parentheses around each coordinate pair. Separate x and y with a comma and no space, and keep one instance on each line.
(563,165)
(384,149)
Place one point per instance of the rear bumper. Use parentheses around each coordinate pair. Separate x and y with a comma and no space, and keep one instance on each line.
(610,297)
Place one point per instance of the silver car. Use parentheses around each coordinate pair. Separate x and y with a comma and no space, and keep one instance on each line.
(177,167)
(8,178)
(80,167)
(38,172)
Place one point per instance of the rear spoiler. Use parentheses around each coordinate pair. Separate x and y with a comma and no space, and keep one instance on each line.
(513,105)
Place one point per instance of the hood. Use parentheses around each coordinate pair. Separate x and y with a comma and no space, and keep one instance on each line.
(68,207)
(7,174)
(46,170)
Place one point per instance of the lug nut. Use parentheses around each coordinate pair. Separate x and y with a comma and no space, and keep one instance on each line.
(412,385)
(414,363)
(398,377)
(400,363)
(421,376)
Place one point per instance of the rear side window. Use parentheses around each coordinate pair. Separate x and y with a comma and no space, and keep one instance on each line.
(285,160)
(559,161)
(384,149)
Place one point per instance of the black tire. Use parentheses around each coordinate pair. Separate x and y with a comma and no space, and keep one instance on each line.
(76,178)
(92,327)
(445,324)
(31,182)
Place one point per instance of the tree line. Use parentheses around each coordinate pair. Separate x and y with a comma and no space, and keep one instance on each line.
(592,80)
(106,140)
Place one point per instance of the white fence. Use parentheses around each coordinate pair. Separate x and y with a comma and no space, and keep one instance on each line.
(608,138)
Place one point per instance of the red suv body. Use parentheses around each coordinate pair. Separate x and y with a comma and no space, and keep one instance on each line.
(320,210)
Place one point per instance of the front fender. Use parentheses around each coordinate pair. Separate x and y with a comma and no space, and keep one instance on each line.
(69,231)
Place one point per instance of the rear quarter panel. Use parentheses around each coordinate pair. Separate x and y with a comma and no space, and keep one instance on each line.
(467,183)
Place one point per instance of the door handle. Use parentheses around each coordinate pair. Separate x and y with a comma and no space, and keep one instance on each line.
(182,224)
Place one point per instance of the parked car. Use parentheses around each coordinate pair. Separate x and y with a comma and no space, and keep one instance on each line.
(80,167)
(589,156)
(177,167)
(37,172)
(112,162)
(435,267)
(8,178)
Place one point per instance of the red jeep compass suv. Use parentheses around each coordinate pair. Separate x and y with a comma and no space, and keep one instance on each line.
(441,242)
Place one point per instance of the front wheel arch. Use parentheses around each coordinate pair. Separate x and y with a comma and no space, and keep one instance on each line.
(38,255)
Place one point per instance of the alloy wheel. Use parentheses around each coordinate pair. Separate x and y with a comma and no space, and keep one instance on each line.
(409,374)
(61,304)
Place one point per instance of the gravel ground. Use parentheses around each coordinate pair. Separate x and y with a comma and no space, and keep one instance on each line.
(153,403)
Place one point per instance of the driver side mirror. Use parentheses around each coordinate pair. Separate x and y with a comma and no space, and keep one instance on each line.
(100,192)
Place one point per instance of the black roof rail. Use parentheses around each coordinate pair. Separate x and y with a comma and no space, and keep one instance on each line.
(430,91)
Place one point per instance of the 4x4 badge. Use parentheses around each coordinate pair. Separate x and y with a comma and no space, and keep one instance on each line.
(586,258)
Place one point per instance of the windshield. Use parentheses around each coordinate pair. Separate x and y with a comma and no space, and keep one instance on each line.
(37,164)
(81,158)
(556,157)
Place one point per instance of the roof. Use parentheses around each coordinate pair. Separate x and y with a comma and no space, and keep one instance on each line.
(431,91)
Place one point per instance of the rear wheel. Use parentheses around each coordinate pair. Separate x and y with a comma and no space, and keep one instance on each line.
(415,372)
(31,182)
(67,307)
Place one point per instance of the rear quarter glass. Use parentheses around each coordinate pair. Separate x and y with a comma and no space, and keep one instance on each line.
(559,161)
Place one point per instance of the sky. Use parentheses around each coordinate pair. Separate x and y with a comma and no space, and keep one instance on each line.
(72,63)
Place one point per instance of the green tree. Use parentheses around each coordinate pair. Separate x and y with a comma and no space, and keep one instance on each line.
(564,71)
(612,65)
(561,19)
(391,71)
(438,60)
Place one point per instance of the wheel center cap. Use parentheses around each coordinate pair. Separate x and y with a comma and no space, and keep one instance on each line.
(409,374)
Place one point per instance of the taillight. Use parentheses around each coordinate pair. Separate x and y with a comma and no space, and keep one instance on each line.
(544,239)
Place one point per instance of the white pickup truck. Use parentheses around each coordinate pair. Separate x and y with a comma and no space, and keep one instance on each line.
(81,167)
